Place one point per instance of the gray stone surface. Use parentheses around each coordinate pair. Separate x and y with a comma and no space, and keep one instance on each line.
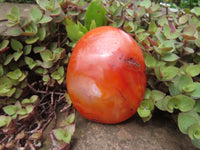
(160,133)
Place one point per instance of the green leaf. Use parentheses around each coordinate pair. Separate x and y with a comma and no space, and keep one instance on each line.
(31,40)
(183,81)
(12,24)
(15,11)
(10,92)
(32,100)
(56,12)
(160,36)
(118,11)
(36,14)
(17,55)
(16,32)
(10,109)
(184,19)
(29,108)
(18,93)
(46,79)
(51,5)
(145,108)
(188,50)
(1,70)
(16,45)
(146,3)
(69,102)
(197,106)
(58,74)
(70,119)
(181,102)
(194,131)
(45,19)
(157,95)
(190,32)
(95,11)
(10,144)
(197,42)
(41,33)
(140,12)
(193,70)
(5,120)
(155,7)
(129,26)
(5,85)
(59,133)
(4,45)
(27,49)
(196,11)
(74,31)
(21,111)
(30,62)
(185,120)
(166,46)
(15,75)
(14,15)
(46,65)
(196,93)
(189,88)
(168,73)
(12,18)
(47,56)
(20,135)
(174,35)
(160,104)
(37,135)
(166,30)
(169,57)
(162,21)
(39,49)
(41,71)
(152,27)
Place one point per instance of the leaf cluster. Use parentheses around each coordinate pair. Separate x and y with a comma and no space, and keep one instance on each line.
(33,64)
(37,62)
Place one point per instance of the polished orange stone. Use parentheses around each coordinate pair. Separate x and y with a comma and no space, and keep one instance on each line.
(106,78)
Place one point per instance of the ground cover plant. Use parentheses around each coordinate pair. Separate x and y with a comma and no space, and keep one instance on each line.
(34,60)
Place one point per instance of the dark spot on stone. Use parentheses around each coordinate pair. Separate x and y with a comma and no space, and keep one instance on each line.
(131,62)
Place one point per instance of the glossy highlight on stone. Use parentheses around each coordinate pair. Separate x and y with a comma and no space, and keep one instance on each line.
(106,78)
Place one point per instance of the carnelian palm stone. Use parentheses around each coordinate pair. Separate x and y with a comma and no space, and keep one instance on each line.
(106,78)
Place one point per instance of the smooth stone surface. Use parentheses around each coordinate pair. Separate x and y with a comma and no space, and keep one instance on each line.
(160,133)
